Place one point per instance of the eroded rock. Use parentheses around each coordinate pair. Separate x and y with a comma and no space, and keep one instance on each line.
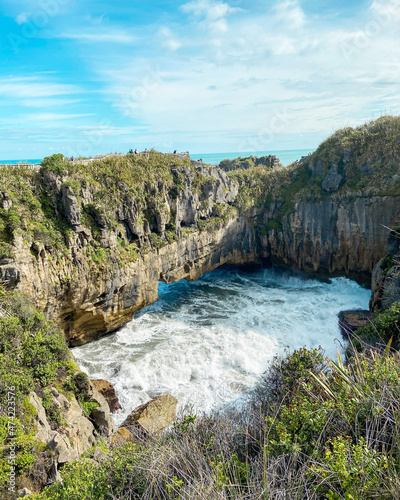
(107,390)
(153,417)
(351,321)
(101,415)
(121,437)
(332,180)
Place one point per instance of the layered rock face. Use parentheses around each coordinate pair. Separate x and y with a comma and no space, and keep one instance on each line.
(105,274)
(98,301)
(93,251)
(333,237)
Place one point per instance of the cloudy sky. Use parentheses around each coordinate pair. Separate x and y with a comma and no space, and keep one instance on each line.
(88,77)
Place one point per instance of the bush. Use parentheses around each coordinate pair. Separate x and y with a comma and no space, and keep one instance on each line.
(55,163)
(384,327)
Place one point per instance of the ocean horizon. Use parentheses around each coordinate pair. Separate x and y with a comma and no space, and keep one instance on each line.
(285,156)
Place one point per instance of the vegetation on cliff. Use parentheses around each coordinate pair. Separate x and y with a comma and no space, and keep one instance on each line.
(313,429)
(34,357)
(33,354)
(134,198)
(360,161)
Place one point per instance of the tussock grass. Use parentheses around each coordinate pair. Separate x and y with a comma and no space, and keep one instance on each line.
(313,428)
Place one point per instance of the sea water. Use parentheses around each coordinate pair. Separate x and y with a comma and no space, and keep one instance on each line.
(207,342)
(17,162)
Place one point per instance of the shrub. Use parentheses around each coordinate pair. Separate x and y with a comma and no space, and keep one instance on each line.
(55,163)
(32,355)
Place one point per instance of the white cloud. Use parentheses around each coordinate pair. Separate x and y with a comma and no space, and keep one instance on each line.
(290,13)
(33,87)
(169,40)
(257,75)
(47,103)
(387,11)
(50,117)
(210,9)
(95,20)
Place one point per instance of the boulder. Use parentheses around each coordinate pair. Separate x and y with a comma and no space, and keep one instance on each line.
(62,449)
(351,321)
(154,416)
(24,492)
(101,415)
(100,455)
(107,390)
(5,201)
(332,180)
(121,437)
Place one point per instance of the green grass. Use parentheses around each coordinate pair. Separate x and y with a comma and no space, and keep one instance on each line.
(367,157)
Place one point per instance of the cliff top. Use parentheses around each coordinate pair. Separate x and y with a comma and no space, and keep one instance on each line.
(362,161)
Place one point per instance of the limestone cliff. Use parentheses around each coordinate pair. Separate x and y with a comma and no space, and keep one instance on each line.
(330,212)
(125,226)
(90,243)
(332,237)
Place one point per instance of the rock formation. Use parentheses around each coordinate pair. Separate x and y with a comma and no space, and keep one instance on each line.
(107,390)
(79,431)
(331,237)
(90,243)
(153,417)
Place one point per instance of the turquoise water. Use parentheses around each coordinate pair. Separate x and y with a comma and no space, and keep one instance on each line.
(207,342)
(15,162)
(286,157)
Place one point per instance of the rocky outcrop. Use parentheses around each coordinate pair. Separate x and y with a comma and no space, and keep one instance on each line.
(269,162)
(78,432)
(107,390)
(351,321)
(153,417)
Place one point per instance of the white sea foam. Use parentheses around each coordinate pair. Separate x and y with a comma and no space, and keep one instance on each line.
(208,341)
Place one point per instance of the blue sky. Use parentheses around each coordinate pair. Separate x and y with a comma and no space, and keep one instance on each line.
(89,77)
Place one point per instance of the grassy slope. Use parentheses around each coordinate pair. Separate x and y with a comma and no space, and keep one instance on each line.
(33,357)
(372,167)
